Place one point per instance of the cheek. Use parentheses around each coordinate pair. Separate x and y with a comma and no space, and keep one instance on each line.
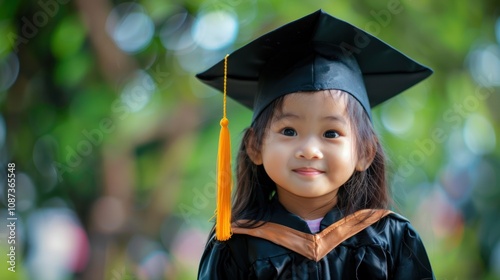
(342,158)
(273,154)
(270,163)
(270,146)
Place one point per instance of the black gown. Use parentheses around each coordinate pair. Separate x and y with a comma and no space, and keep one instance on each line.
(388,249)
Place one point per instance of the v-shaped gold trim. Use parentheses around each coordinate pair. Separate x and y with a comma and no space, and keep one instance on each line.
(315,246)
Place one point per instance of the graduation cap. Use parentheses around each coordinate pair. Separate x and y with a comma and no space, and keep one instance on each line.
(316,52)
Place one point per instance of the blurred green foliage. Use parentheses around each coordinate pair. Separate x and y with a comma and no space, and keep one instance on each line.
(70,131)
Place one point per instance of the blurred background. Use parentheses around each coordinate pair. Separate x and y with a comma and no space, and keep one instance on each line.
(114,141)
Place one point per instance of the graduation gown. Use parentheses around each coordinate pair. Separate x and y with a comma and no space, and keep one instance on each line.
(389,248)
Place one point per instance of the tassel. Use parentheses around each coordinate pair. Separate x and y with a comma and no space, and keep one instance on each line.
(224,177)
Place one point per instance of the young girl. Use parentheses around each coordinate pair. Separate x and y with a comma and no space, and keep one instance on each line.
(311,198)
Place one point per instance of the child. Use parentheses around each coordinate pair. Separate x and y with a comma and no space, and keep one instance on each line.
(311,194)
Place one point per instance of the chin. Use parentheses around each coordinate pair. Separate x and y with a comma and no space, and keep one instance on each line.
(310,194)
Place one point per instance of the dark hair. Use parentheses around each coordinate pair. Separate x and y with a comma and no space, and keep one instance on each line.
(364,189)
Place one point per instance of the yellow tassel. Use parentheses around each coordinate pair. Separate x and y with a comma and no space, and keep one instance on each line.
(224,177)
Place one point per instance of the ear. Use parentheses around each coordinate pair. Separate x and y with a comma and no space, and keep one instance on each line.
(365,160)
(254,155)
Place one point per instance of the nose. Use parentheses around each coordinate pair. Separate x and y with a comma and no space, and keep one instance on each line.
(309,149)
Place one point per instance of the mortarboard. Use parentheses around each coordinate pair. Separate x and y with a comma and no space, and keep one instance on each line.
(316,52)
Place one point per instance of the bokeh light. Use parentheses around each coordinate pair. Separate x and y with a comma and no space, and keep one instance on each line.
(215,30)
(130,27)
(495,259)
(109,214)
(138,91)
(458,154)
(487,186)
(188,246)
(26,192)
(9,70)
(56,233)
(484,65)
(397,117)
(479,135)
(156,265)
(175,33)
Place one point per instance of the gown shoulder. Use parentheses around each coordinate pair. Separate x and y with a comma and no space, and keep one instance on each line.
(389,249)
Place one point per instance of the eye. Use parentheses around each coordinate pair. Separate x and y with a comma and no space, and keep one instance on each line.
(289,132)
(331,134)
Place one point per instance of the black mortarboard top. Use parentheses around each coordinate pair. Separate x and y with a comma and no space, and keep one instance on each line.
(316,52)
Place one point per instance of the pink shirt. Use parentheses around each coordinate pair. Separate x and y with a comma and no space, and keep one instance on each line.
(314,224)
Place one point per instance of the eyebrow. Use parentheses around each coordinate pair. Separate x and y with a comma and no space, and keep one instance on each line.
(282,116)
(335,118)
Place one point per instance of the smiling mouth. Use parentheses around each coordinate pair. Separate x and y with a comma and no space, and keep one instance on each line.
(307,171)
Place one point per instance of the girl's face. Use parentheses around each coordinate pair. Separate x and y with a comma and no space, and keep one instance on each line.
(309,149)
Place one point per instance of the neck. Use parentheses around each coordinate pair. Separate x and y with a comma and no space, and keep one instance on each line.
(308,208)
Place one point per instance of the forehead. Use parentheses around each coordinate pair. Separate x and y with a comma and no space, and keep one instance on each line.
(333,101)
